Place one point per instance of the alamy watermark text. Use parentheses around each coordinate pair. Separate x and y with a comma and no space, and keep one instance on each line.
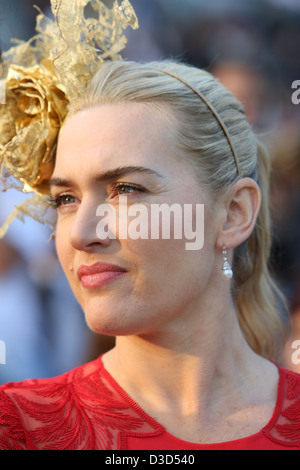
(157,221)
(296,93)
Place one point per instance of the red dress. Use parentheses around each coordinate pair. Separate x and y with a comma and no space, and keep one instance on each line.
(86,409)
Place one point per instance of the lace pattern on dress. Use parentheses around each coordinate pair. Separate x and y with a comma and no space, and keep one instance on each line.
(80,410)
(285,428)
(85,409)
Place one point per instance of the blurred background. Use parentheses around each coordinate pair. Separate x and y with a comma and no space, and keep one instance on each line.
(253,47)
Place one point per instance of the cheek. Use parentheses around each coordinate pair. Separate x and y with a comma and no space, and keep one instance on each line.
(63,250)
(169,279)
(163,265)
(177,244)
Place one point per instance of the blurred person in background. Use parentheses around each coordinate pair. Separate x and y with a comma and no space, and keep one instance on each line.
(21,328)
(285,198)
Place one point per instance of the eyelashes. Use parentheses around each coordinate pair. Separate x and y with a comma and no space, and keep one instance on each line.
(120,189)
(61,200)
(115,190)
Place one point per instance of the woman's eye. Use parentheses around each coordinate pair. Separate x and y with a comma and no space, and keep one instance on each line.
(125,189)
(62,200)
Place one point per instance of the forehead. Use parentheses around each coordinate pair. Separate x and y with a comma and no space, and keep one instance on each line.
(114,134)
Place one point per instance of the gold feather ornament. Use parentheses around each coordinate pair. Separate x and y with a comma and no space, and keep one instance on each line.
(43,75)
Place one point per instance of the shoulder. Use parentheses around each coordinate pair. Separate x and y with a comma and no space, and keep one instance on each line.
(82,409)
(284,427)
(24,404)
(49,385)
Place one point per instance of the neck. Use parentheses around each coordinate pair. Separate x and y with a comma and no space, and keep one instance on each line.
(186,373)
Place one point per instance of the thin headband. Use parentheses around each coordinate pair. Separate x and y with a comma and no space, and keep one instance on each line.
(218,118)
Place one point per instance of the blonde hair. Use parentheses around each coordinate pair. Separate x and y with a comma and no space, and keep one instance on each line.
(201,140)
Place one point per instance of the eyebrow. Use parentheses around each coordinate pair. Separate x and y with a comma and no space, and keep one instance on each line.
(106,176)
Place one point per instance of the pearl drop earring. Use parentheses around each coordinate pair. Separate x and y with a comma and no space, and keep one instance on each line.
(226,268)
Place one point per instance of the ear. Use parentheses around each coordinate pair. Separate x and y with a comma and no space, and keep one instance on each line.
(241,205)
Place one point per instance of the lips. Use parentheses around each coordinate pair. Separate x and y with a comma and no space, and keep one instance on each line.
(99,274)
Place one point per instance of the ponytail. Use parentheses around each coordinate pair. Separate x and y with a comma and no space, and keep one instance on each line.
(261,305)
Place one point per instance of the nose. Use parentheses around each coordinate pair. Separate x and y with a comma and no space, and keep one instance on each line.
(83,232)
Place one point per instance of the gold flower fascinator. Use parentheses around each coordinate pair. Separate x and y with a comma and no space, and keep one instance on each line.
(42,76)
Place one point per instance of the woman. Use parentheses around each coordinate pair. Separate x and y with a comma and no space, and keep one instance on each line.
(193,366)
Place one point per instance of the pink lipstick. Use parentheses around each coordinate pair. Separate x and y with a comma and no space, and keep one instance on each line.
(99,274)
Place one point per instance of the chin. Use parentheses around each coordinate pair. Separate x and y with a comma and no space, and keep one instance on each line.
(104,327)
(108,321)
(118,322)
